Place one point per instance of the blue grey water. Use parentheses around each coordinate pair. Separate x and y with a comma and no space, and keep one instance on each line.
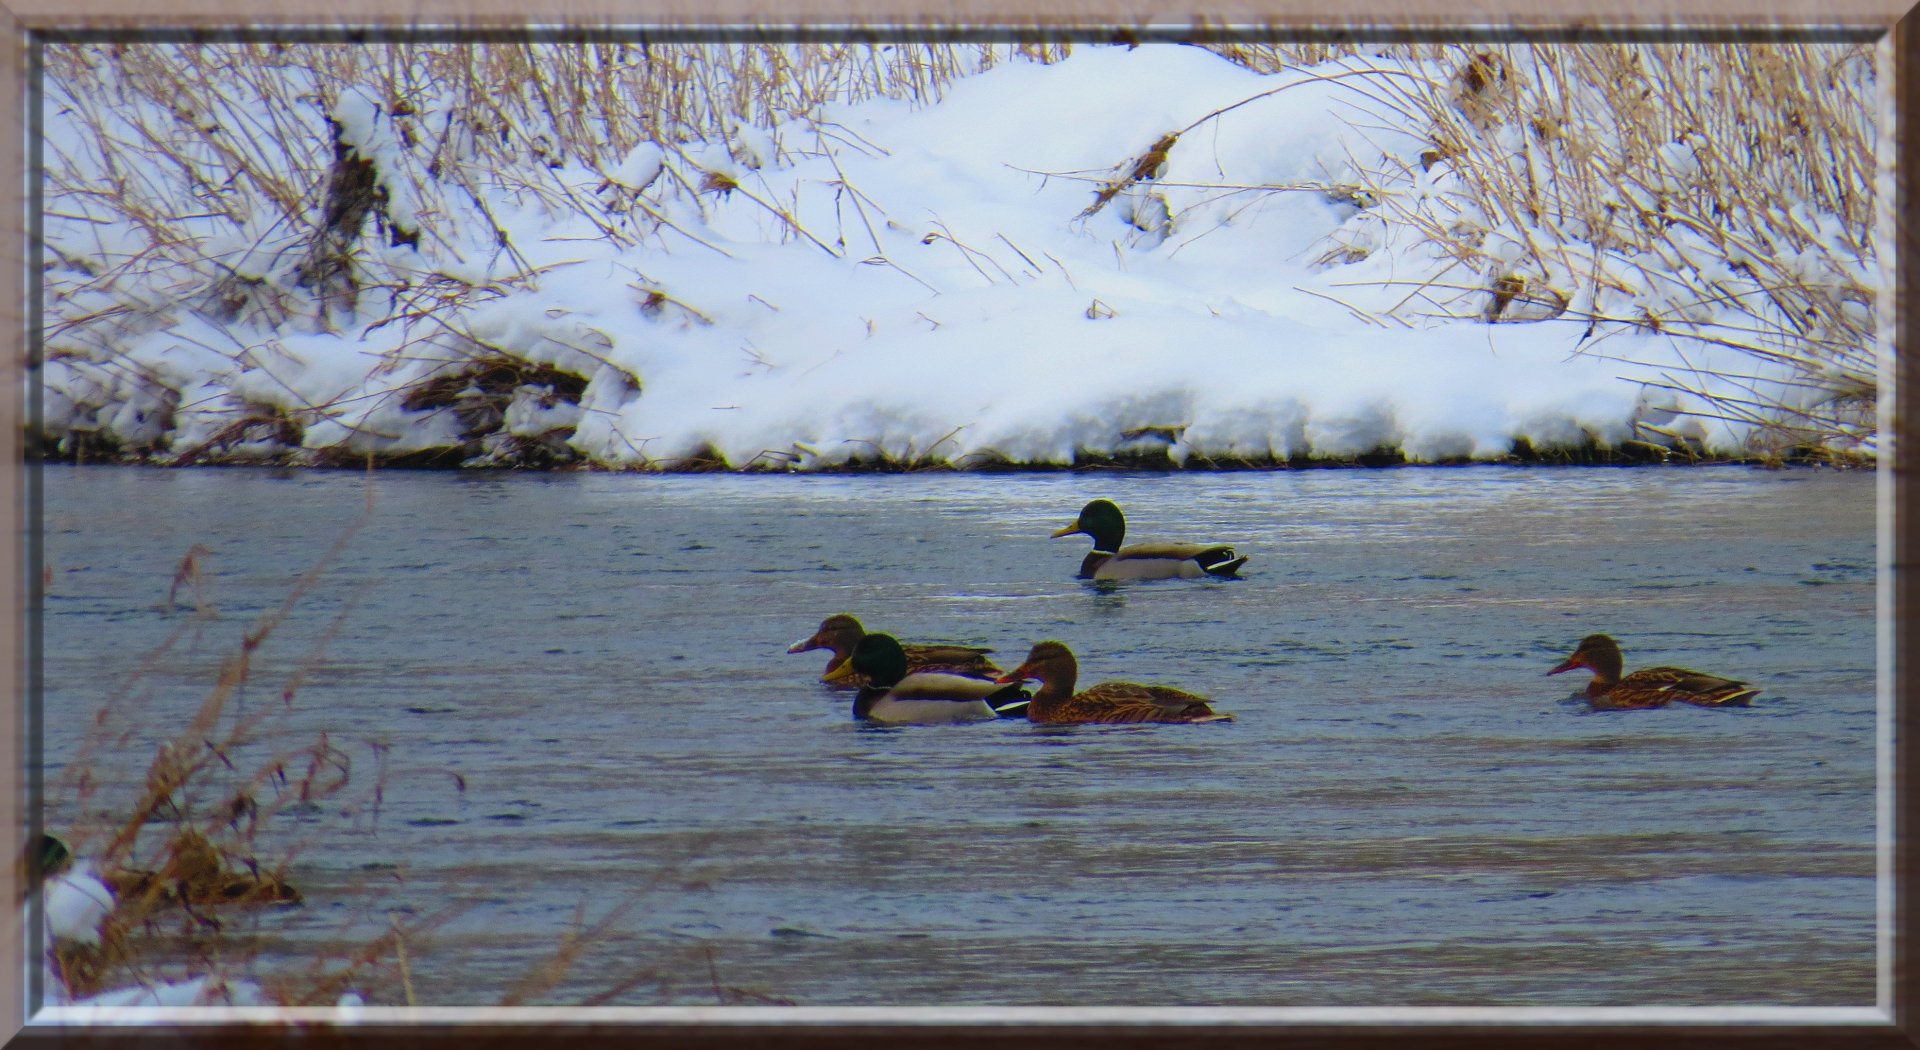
(577,688)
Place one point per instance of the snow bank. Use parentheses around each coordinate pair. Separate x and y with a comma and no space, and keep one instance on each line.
(901,283)
(197,991)
(76,903)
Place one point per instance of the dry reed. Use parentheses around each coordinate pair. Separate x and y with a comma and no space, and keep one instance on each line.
(1717,195)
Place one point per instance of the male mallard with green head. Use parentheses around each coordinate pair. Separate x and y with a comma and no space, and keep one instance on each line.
(1650,686)
(894,695)
(1108,560)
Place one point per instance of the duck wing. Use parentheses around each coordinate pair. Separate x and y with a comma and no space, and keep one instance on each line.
(1217,559)
(940,685)
(953,659)
(1162,695)
(1688,686)
(1626,697)
(1122,702)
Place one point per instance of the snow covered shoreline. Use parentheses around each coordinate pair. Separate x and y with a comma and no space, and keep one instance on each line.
(896,286)
(1145,456)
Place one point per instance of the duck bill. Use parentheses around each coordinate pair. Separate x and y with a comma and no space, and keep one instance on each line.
(805,645)
(1568,664)
(1018,674)
(1068,531)
(840,672)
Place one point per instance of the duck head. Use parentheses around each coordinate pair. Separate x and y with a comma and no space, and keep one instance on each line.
(1049,663)
(1598,653)
(1101,520)
(839,633)
(879,657)
(43,861)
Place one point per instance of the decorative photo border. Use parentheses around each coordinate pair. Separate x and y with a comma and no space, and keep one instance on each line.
(1890,1023)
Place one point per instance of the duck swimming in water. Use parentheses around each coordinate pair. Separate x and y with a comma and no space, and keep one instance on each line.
(893,695)
(1102,520)
(1651,686)
(1053,666)
(840,633)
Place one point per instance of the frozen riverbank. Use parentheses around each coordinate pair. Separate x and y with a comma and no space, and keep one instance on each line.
(896,286)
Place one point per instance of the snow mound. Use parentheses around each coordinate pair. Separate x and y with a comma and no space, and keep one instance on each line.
(77,902)
(197,991)
(898,285)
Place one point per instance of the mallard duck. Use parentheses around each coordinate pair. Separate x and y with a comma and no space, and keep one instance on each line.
(841,633)
(52,857)
(45,859)
(1651,686)
(1053,666)
(1103,521)
(893,695)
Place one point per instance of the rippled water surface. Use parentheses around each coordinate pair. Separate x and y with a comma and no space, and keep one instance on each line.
(1405,811)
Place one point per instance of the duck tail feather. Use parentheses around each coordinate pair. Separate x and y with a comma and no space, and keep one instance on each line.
(1229,566)
(1010,702)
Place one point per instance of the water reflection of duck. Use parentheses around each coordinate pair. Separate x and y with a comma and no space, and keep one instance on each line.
(841,633)
(1053,666)
(1103,521)
(893,695)
(1651,686)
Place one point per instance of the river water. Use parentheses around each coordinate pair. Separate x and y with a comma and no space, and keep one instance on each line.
(578,686)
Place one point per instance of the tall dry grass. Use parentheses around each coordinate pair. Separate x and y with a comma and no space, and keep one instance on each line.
(194,848)
(206,177)
(1717,195)
(184,856)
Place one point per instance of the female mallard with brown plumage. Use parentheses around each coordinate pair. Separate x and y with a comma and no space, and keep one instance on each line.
(1108,560)
(1650,686)
(1053,666)
(894,695)
(841,633)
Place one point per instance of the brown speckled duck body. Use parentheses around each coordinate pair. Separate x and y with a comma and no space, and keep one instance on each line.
(841,634)
(1055,702)
(1649,687)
